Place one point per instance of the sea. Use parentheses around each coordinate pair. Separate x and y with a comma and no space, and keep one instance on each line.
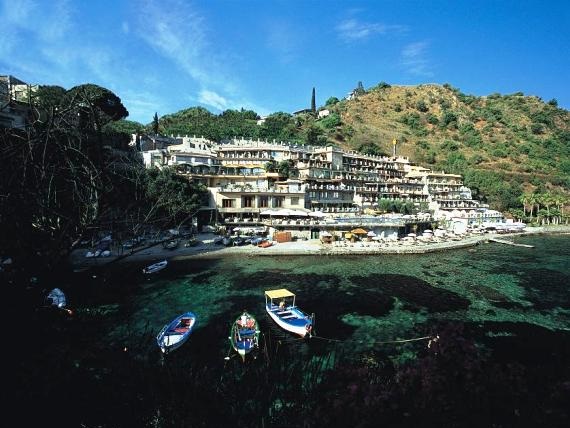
(512,301)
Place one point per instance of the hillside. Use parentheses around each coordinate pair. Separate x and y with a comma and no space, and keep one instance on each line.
(514,133)
(504,145)
(516,139)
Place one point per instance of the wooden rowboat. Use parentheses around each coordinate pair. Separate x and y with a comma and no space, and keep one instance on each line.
(280,305)
(175,333)
(155,267)
(244,334)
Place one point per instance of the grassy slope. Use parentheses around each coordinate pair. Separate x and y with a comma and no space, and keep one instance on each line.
(519,135)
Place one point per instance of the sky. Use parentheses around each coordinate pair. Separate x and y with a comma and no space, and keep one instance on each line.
(167,55)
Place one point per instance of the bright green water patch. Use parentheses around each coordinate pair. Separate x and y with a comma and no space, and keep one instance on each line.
(363,299)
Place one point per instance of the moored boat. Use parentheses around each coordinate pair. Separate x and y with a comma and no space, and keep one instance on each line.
(265,244)
(244,334)
(171,245)
(288,316)
(56,298)
(175,333)
(155,267)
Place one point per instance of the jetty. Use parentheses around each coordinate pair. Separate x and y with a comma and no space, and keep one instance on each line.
(514,244)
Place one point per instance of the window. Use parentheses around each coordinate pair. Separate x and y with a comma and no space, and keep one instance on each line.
(278,201)
(263,202)
(294,201)
(228,203)
(247,202)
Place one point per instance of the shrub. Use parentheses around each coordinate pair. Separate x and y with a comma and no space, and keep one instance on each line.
(421,106)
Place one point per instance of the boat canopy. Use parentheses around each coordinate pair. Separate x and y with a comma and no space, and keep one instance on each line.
(279,294)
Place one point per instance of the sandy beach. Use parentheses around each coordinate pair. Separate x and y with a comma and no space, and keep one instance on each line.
(207,249)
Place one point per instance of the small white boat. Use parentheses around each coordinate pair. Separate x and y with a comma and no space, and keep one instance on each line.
(56,298)
(288,316)
(155,267)
(175,333)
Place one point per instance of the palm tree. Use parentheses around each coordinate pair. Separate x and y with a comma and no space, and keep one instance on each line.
(524,200)
(560,200)
(533,201)
(548,201)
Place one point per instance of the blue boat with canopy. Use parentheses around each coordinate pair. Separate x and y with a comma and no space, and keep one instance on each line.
(280,305)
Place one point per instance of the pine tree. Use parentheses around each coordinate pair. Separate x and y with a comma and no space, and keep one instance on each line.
(155,124)
(313,103)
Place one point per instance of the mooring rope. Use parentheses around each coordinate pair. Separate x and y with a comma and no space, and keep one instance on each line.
(384,342)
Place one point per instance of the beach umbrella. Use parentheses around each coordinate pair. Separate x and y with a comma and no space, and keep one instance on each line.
(370,233)
(359,231)
(412,235)
(285,212)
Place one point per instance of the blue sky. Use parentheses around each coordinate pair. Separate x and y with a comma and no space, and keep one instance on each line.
(166,55)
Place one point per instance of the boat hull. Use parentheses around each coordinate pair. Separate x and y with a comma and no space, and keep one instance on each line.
(155,267)
(174,334)
(299,323)
(244,334)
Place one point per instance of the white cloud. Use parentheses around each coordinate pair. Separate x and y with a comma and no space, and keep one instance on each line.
(414,59)
(142,105)
(178,33)
(17,12)
(352,29)
(211,98)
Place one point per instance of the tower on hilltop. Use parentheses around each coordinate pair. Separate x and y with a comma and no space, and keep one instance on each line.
(313,102)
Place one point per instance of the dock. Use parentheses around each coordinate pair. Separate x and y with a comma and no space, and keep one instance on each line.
(514,244)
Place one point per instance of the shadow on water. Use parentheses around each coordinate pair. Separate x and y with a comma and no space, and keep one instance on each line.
(103,367)
(415,292)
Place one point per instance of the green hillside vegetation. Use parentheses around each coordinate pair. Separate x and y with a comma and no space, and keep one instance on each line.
(505,146)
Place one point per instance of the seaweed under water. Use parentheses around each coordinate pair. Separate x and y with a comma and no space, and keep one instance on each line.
(365,307)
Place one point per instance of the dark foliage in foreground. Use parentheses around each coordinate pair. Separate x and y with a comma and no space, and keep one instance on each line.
(453,383)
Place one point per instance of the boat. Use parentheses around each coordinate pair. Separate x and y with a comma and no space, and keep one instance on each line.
(56,298)
(175,333)
(265,244)
(155,267)
(192,242)
(257,240)
(171,245)
(244,334)
(288,316)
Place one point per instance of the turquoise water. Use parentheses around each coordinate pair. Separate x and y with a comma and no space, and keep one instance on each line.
(103,367)
(360,302)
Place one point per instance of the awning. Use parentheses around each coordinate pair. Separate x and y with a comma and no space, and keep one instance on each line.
(317,214)
(359,231)
(278,294)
